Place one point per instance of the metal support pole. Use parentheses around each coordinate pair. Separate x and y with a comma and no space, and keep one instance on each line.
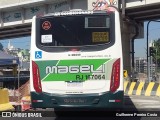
(148,63)
(132,42)
(132,70)
(151,68)
(156,63)
(133,52)
(19,106)
(123,8)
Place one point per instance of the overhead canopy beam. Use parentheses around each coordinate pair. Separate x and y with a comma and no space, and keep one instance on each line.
(15,30)
(147,17)
(144,12)
(15,35)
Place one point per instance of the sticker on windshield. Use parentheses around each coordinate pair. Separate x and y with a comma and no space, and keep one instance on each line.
(46,38)
(46,25)
(100,37)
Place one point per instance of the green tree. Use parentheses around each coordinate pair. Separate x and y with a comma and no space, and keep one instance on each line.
(1,47)
(156,56)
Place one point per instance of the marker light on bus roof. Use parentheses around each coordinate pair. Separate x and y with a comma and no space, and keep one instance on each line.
(73,13)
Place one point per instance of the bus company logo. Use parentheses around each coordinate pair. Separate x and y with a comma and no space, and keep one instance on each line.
(46,25)
(75,69)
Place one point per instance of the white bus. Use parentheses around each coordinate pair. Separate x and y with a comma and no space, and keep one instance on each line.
(76,60)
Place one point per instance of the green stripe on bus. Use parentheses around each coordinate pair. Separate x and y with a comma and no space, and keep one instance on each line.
(72,76)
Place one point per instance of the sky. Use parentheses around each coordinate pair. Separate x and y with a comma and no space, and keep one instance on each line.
(140,44)
(22,42)
(153,34)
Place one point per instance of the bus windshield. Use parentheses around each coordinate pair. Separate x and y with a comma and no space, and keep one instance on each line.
(74,31)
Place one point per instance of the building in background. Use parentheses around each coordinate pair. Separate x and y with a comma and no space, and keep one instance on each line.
(141,65)
(22,54)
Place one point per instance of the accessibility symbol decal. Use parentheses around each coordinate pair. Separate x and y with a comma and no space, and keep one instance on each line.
(38,54)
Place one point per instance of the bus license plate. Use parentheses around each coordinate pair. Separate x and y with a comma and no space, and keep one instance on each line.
(74,84)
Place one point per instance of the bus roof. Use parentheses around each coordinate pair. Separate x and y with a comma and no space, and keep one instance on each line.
(78,12)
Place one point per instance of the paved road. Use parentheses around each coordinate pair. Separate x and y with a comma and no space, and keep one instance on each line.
(141,104)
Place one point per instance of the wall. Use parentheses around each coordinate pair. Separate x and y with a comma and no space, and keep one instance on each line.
(79,4)
(94,3)
(19,16)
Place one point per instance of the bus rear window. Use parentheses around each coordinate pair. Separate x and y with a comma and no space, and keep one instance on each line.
(74,30)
